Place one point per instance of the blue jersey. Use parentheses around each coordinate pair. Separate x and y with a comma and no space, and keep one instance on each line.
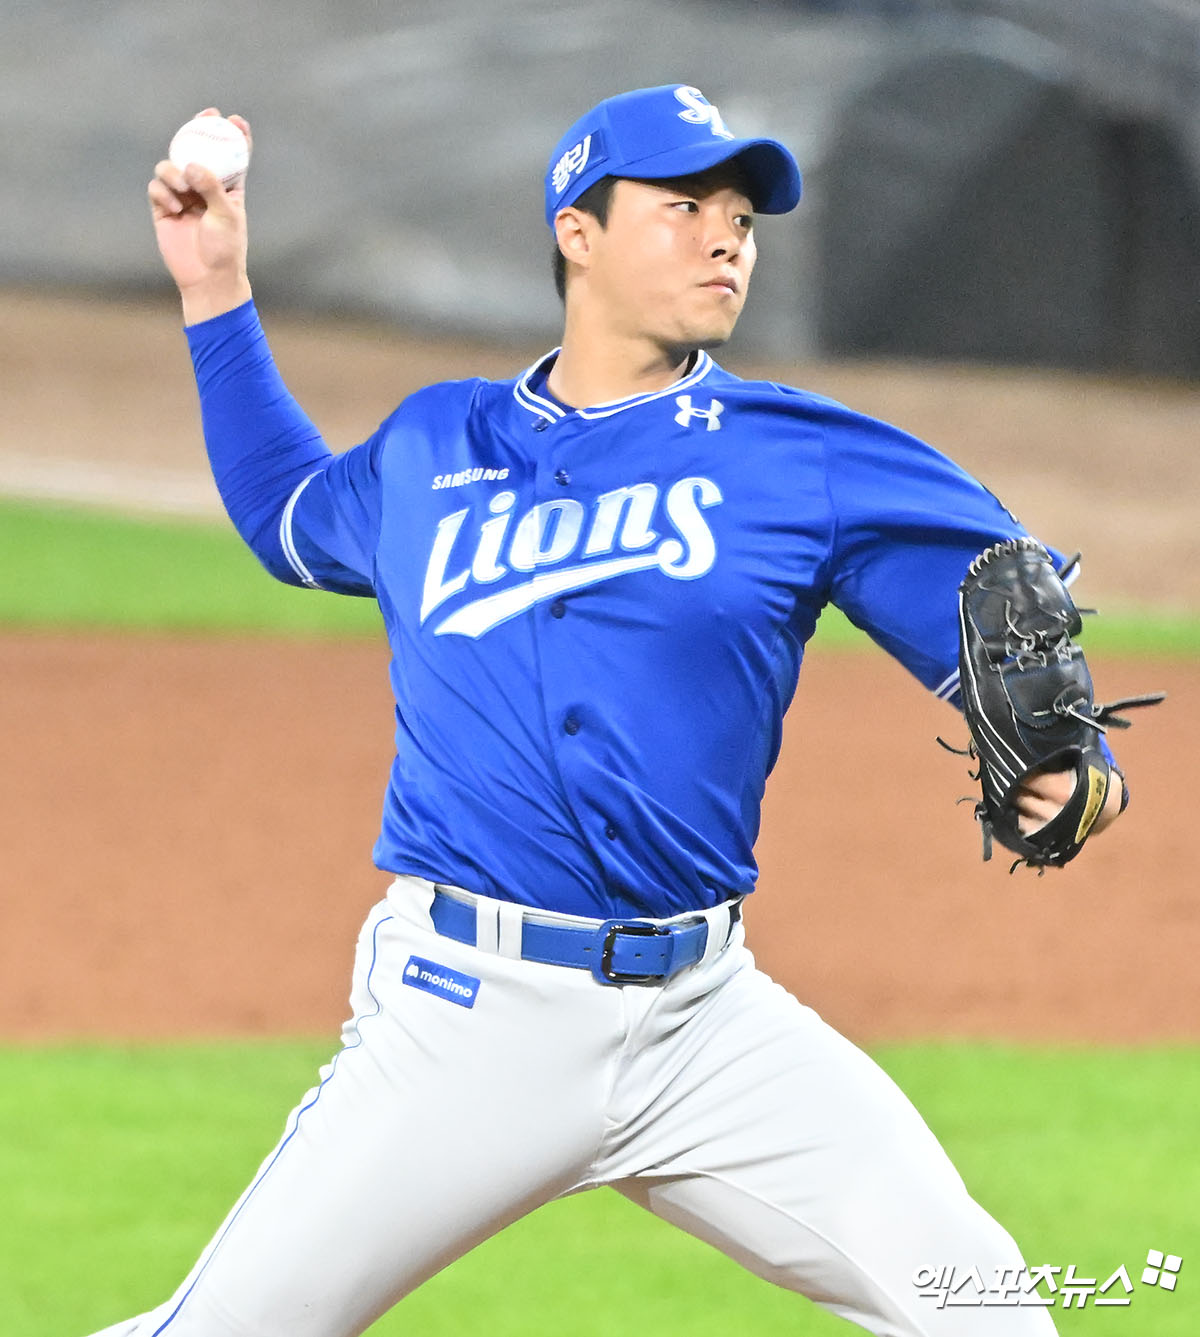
(596,616)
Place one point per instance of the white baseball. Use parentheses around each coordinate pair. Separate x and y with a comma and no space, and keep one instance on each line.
(215,143)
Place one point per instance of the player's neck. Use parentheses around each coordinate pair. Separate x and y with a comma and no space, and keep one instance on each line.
(597,368)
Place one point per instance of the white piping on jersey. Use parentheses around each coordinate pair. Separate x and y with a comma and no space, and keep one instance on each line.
(552,412)
(535,403)
(946,689)
(287,540)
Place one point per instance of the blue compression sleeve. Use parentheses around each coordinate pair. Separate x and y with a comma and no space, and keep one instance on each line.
(261,444)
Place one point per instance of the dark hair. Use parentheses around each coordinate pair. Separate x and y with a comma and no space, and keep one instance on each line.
(595,201)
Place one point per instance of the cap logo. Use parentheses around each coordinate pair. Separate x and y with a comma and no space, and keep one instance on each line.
(700,111)
(571,164)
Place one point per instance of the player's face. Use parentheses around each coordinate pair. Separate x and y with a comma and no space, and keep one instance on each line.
(674,261)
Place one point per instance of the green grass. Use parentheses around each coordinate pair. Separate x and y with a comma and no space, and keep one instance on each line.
(69,567)
(117,1163)
(81,568)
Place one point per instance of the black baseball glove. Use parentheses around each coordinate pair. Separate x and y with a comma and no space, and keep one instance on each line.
(1027,698)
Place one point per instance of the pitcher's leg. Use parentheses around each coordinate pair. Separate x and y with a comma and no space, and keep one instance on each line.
(436,1125)
(775,1139)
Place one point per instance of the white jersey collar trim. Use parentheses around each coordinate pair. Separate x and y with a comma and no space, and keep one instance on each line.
(552,412)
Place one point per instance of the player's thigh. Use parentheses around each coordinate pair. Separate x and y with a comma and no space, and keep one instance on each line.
(788,1148)
(437,1124)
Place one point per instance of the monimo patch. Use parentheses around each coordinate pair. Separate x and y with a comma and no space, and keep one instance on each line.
(441,980)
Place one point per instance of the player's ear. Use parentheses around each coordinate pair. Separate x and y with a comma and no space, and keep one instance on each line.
(573,232)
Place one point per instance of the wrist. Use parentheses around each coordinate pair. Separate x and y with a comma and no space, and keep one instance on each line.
(206,301)
(1114,802)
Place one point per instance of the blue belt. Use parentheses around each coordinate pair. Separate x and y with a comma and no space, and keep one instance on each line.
(616,951)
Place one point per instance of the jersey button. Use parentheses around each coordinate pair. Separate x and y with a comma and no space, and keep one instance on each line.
(610,831)
(558,608)
(562,477)
(571,724)
(541,424)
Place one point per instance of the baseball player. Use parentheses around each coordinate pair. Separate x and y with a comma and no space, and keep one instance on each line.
(597,580)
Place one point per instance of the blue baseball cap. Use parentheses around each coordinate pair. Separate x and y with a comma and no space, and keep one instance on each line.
(653,134)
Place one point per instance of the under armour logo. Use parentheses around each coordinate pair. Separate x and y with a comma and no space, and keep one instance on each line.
(687,413)
(700,111)
(571,164)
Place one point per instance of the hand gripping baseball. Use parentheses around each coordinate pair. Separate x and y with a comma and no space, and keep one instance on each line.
(201,231)
(1027,698)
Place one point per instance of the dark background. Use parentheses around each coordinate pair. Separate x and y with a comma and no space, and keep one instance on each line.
(995,180)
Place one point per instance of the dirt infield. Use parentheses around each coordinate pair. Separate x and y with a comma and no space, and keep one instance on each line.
(186,825)
(187,828)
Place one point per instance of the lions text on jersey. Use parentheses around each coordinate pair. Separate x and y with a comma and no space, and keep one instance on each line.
(596,616)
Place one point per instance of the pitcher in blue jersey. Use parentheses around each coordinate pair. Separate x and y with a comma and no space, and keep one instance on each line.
(597,579)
